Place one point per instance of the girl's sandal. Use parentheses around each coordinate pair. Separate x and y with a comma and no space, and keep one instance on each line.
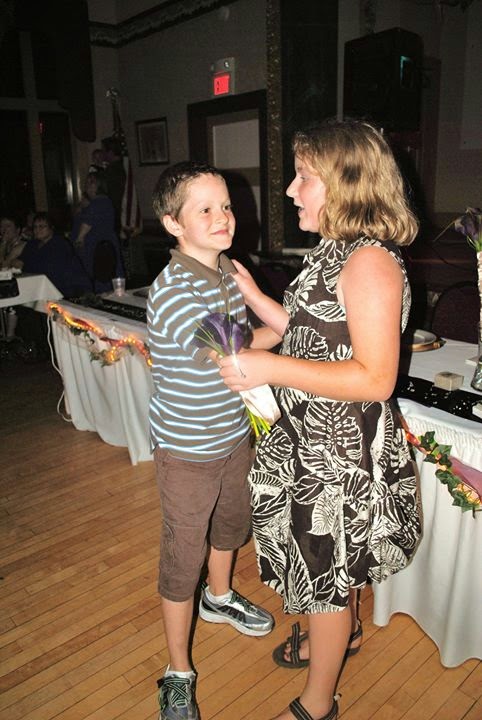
(354,636)
(301,713)
(295,640)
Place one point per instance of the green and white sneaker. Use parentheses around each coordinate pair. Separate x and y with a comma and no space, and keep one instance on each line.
(239,612)
(177,698)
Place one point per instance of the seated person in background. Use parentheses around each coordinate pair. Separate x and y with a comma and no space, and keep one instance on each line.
(50,254)
(27,229)
(94,237)
(11,242)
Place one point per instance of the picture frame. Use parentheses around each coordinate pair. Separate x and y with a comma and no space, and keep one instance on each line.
(152,141)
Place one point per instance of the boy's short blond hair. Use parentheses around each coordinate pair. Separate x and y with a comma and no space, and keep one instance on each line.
(170,191)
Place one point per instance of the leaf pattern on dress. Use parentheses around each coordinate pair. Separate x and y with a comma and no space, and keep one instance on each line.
(326,511)
(306,343)
(299,582)
(334,492)
(273,450)
(328,310)
(342,352)
(328,424)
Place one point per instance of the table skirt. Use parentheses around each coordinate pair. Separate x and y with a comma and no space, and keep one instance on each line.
(442,586)
(110,400)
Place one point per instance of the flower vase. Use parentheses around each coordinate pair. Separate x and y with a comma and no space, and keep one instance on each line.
(477,379)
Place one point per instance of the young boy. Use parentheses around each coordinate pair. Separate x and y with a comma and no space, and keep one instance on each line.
(199,429)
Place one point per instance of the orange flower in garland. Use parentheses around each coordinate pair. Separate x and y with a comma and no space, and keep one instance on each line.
(460,488)
(78,326)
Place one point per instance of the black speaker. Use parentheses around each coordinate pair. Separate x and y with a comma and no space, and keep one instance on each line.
(382,79)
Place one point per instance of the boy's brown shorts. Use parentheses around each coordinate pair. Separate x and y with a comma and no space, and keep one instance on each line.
(201,502)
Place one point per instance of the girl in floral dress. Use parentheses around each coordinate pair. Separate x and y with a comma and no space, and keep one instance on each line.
(333,486)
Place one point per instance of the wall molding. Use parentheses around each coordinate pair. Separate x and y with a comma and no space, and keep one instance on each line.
(151,21)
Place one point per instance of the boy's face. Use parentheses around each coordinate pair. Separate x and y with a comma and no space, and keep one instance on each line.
(205,226)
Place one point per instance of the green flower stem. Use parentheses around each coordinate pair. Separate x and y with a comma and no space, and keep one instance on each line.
(258,424)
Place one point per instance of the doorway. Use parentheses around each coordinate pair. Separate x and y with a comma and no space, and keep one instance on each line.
(230,133)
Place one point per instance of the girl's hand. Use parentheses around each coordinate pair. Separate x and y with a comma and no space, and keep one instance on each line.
(246,370)
(245,282)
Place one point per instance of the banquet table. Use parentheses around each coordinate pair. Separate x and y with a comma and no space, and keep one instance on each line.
(33,291)
(111,400)
(441,588)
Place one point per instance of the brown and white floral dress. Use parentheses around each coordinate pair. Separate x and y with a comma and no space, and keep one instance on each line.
(333,488)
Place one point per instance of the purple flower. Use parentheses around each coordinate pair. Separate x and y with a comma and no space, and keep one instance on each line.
(222,333)
(470,224)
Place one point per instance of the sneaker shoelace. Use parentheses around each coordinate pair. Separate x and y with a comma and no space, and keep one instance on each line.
(179,690)
(244,602)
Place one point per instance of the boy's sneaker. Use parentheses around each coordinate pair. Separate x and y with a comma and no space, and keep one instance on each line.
(177,698)
(239,612)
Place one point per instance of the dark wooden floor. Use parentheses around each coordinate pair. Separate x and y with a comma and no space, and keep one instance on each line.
(81,628)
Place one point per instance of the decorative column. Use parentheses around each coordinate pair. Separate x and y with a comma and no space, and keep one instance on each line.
(302,42)
(274,127)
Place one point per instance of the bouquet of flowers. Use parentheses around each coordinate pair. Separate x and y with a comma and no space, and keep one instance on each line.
(470,225)
(223,334)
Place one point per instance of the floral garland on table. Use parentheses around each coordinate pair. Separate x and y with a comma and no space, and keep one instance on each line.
(464,495)
(117,348)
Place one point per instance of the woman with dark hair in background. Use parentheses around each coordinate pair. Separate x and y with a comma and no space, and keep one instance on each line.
(49,253)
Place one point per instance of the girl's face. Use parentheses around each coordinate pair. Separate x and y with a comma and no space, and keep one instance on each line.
(308,192)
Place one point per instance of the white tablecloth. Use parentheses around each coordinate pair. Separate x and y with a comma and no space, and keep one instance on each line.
(442,587)
(112,400)
(33,291)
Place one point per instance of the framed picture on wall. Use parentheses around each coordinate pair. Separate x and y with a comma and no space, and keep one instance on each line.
(152,142)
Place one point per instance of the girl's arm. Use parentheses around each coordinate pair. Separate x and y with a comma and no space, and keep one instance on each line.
(268,310)
(370,287)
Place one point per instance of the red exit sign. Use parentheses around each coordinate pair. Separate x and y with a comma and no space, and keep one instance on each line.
(222,83)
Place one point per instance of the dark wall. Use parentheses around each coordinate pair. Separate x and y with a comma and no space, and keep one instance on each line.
(309,40)
(65,26)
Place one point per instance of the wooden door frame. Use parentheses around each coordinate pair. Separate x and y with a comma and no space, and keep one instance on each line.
(198,115)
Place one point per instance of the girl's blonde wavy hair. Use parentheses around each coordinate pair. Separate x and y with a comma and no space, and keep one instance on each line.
(364,188)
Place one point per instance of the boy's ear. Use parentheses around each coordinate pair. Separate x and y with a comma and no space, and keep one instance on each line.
(172,226)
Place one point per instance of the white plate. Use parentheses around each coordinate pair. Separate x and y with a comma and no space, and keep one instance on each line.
(420,340)
(423,337)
